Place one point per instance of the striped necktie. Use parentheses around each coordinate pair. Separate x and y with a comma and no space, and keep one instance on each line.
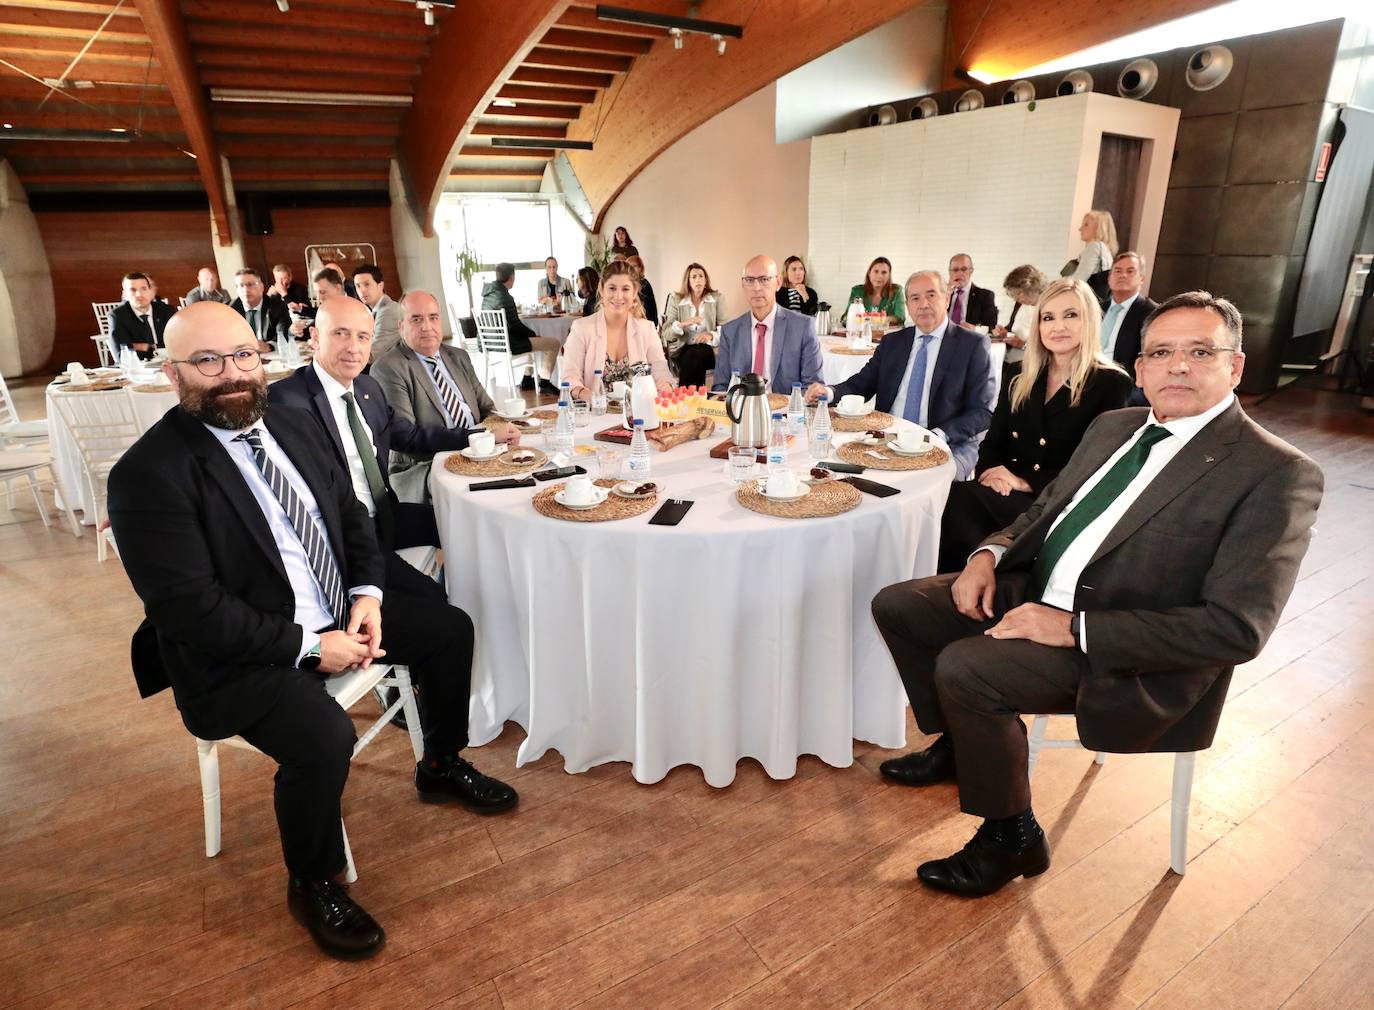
(1090,506)
(311,536)
(459,416)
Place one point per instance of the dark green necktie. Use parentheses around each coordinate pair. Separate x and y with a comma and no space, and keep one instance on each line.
(1090,506)
(253,321)
(375,484)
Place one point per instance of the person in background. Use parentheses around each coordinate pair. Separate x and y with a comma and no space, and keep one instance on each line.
(969,305)
(794,293)
(552,287)
(267,317)
(328,283)
(1098,232)
(1023,286)
(614,339)
(523,340)
(768,340)
(648,302)
(139,321)
(622,246)
(878,293)
(694,312)
(207,288)
(1127,311)
(1065,382)
(588,281)
(386,314)
(291,292)
(343,277)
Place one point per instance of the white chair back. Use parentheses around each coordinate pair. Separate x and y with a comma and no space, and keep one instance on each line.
(494,341)
(102,312)
(102,424)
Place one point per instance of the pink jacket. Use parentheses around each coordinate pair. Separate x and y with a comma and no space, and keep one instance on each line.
(585,350)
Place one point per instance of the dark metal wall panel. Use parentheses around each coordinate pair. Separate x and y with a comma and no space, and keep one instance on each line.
(1190,219)
(1275,145)
(1258,220)
(1202,150)
(1293,66)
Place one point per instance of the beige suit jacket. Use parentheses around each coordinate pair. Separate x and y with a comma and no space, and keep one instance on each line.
(386,326)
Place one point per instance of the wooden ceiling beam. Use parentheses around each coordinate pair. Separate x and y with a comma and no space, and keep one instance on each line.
(530,110)
(586,19)
(49,45)
(64,118)
(560,78)
(535,93)
(479,45)
(309,173)
(495,173)
(167,32)
(512,153)
(595,42)
(382,19)
(105,176)
(519,130)
(21,88)
(65,24)
(266,59)
(75,7)
(60,149)
(567,59)
(292,117)
(272,81)
(303,39)
(100,71)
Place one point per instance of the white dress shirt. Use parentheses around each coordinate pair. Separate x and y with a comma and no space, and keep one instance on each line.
(1109,348)
(334,391)
(1062,584)
(312,608)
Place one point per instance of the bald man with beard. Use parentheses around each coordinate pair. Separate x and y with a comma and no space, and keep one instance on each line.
(260,576)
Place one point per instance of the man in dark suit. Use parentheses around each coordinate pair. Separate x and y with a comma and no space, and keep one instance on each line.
(969,305)
(768,340)
(260,573)
(140,320)
(267,317)
(1126,312)
(290,292)
(1159,558)
(496,296)
(933,373)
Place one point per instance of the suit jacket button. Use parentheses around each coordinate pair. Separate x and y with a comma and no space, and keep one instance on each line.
(1036,467)
(1042,441)
(1015,434)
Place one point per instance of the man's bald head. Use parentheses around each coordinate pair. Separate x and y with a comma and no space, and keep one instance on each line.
(760,284)
(198,326)
(343,338)
(342,311)
(204,337)
(421,324)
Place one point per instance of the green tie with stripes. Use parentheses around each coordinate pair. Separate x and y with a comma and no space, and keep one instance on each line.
(1090,506)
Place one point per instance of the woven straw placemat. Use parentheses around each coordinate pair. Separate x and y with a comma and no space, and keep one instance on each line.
(501,466)
(830,498)
(857,452)
(153,388)
(614,507)
(873,419)
(865,352)
(99,386)
(545,414)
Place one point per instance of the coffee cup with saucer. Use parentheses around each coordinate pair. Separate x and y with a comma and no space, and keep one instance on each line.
(783,485)
(911,442)
(481,445)
(851,405)
(580,493)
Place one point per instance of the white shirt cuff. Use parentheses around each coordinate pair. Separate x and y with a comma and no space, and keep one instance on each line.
(996,550)
(308,641)
(940,435)
(365,591)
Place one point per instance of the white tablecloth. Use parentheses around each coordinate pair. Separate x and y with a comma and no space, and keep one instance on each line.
(731,635)
(551,326)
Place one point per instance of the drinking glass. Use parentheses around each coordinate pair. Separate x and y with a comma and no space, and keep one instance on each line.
(608,462)
(742,460)
(582,413)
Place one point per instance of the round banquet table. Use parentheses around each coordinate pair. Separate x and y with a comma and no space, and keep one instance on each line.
(730,635)
(552,326)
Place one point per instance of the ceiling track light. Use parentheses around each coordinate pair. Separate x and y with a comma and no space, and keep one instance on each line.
(676,33)
(426,8)
(718,30)
(538,142)
(284,6)
(268,96)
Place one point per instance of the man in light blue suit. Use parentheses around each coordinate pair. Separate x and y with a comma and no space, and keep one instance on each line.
(936,374)
(777,343)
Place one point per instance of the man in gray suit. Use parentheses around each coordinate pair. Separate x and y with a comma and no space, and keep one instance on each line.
(1160,558)
(777,343)
(429,382)
(386,314)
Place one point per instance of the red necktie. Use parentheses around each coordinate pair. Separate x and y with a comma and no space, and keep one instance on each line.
(760,366)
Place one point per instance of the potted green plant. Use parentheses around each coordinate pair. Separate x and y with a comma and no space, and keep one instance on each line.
(469,266)
(597,253)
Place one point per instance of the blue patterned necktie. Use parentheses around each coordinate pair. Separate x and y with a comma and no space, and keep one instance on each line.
(1107,325)
(459,416)
(312,538)
(916,387)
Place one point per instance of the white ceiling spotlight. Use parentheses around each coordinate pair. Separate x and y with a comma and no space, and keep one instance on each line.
(676,33)
(427,8)
(719,40)
(284,6)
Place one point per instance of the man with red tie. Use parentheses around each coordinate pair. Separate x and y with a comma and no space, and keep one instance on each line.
(769,340)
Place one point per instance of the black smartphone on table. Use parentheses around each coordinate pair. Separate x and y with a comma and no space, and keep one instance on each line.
(871,487)
(562,471)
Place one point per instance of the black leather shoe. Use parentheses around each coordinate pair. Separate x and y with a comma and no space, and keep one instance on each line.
(922,767)
(337,922)
(982,866)
(527,383)
(460,781)
(547,388)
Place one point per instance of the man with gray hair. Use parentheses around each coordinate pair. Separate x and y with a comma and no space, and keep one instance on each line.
(934,373)
(1159,559)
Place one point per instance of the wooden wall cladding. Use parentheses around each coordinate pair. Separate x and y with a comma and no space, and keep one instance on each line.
(294,228)
(89,251)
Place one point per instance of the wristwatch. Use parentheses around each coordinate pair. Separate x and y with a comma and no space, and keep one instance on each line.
(1075,629)
(311,660)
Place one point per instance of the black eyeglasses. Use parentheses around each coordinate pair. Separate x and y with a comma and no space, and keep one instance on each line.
(210,364)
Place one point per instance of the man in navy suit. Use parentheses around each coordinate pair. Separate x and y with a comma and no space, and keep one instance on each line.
(777,343)
(935,374)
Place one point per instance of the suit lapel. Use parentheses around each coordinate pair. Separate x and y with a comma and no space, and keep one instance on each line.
(320,400)
(779,335)
(950,346)
(306,467)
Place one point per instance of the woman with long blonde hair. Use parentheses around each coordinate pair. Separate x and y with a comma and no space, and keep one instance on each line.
(1064,383)
(1098,232)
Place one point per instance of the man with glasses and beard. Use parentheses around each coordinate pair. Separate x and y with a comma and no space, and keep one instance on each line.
(260,576)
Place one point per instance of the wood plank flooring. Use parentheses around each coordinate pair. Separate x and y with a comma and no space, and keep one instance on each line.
(601,892)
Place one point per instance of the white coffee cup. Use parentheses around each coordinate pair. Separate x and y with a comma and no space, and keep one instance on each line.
(851,404)
(579,490)
(909,439)
(514,407)
(782,484)
(482,443)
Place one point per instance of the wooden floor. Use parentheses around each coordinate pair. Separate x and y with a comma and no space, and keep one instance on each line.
(601,892)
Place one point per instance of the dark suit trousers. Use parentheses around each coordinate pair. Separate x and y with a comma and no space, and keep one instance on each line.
(693,362)
(975,688)
(421,630)
(973,512)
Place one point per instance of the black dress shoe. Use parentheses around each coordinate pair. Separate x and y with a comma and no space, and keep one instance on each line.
(460,781)
(337,922)
(982,866)
(527,383)
(922,767)
(547,388)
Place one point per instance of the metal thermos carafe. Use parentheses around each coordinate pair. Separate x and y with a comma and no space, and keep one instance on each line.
(746,403)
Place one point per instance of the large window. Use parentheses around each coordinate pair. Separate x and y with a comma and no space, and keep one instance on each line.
(506,230)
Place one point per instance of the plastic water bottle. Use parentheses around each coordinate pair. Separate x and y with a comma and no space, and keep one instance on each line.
(796,412)
(598,394)
(565,391)
(821,430)
(777,443)
(563,428)
(637,466)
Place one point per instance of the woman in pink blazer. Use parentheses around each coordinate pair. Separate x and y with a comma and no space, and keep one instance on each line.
(614,339)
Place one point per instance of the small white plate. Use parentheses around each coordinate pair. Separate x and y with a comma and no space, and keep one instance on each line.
(870,440)
(601,494)
(625,489)
(472,455)
(514,417)
(530,422)
(920,450)
(802,491)
(845,413)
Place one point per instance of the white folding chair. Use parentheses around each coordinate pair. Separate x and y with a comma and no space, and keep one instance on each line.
(345,688)
(17,464)
(1184,764)
(104,342)
(30,434)
(494,340)
(102,425)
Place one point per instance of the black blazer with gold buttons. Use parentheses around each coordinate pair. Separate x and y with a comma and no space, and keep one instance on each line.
(1037,440)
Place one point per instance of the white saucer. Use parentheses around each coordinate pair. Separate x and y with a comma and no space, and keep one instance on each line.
(514,417)
(601,494)
(919,451)
(802,491)
(468,452)
(845,413)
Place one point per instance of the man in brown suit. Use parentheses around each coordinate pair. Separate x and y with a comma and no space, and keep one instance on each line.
(1159,559)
